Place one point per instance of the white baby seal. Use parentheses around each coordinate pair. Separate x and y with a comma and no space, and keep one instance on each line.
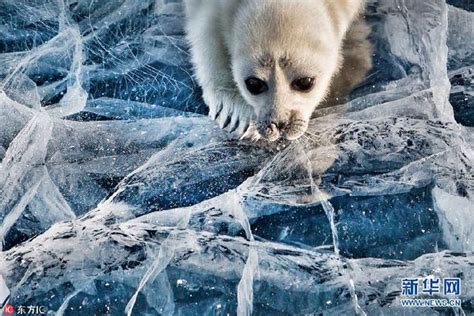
(267,63)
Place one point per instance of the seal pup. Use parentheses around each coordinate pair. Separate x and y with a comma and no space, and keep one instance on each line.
(265,65)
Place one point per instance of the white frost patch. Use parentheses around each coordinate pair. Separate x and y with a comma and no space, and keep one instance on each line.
(4,292)
(456,216)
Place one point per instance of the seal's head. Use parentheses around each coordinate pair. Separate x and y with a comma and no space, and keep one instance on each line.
(283,59)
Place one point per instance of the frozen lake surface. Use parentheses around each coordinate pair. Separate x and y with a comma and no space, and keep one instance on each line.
(118,194)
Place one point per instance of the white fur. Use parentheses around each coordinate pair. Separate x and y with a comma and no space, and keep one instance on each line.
(277,41)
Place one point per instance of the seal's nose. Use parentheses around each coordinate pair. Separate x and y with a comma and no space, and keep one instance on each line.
(273,132)
(269,131)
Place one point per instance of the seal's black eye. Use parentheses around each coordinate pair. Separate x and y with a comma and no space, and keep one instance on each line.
(255,85)
(303,84)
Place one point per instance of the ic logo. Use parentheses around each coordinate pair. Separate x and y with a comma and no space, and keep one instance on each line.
(8,310)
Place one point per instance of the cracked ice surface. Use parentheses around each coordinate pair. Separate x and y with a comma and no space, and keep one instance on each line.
(118,196)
